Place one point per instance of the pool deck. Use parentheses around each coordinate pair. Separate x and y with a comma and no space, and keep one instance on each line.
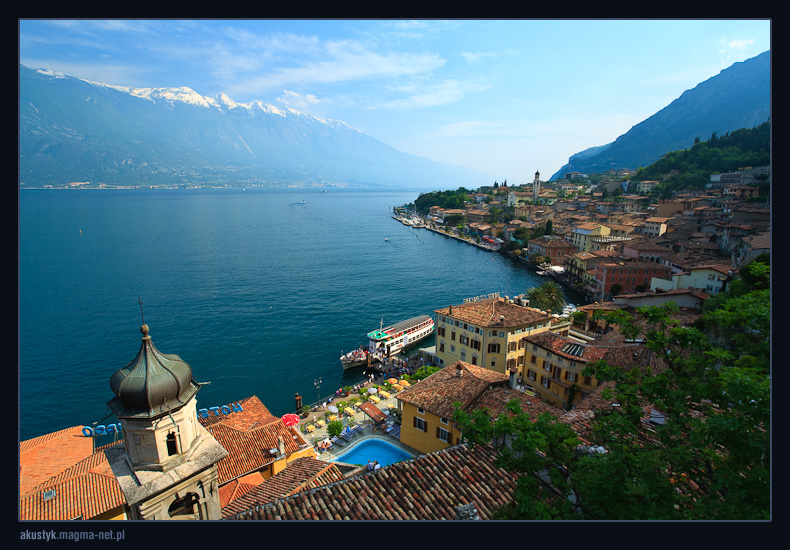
(359,417)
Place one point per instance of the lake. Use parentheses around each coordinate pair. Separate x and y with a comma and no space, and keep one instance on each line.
(258,291)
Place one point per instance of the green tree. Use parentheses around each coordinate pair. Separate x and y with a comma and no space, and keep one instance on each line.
(334,428)
(424,372)
(548,295)
(707,459)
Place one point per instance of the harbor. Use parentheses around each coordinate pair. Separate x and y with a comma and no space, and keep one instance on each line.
(491,246)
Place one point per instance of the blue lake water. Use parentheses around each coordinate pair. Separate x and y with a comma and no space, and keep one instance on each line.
(258,292)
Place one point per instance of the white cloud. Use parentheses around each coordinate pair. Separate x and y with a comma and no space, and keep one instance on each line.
(297,100)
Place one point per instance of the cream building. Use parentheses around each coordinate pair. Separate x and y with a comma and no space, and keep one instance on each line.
(489,332)
(582,235)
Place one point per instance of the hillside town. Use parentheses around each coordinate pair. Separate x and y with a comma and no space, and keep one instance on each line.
(614,240)
(239,461)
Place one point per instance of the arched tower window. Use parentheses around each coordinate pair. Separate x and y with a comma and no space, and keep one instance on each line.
(172,445)
(184,507)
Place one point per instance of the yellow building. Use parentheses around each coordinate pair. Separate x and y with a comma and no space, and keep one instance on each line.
(427,406)
(489,332)
(554,364)
(582,235)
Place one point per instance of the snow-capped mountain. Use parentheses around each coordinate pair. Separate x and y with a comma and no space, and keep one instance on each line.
(77,130)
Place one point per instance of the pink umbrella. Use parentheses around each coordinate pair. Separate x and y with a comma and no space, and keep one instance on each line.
(291,419)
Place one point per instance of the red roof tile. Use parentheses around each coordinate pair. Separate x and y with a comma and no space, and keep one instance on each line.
(430,487)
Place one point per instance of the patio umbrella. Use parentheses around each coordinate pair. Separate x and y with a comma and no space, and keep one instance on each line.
(290,419)
(393,380)
(372,390)
(404,383)
(332,408)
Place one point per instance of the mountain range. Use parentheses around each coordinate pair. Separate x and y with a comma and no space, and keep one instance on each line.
(73,130)
(738,97)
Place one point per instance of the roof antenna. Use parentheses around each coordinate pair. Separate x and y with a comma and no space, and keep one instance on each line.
(139,301)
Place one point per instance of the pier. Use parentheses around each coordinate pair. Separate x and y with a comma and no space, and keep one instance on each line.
(420,224)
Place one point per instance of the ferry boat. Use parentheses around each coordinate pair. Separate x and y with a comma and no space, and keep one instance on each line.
(393,339)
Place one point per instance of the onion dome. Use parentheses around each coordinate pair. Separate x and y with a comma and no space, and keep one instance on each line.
(153,384)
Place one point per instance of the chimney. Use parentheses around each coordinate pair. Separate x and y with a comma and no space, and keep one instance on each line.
(459,370)
(501,319)
(280,445)
(467,512)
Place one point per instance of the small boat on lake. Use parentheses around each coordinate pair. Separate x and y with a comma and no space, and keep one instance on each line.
(355,358)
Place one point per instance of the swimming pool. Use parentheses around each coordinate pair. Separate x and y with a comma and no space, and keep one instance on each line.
(373,449)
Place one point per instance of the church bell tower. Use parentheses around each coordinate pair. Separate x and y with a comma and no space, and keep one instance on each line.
(167,467)
(536,187)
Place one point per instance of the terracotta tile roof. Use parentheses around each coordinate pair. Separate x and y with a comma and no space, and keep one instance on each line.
(42,456)
(254,413)
(430,487)
(85,490)
(373,412)
(495,400)
(459,382)
(250,450)
(238,487)
(303,474)
(580,417)
(619,353)
(487,313)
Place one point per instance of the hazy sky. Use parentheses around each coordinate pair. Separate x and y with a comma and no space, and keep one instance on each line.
(505,97)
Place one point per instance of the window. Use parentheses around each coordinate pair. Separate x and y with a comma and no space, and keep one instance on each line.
(452,335)
(588,380)
(172,446)
(441,346)
(544,381)
(441,331)
(443,434)
(531,374)
(493,348)
(474,359)
(420,424)
(570,376)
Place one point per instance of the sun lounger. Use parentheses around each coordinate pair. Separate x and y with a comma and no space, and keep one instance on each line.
(359,429)
(347,434)
(336,440)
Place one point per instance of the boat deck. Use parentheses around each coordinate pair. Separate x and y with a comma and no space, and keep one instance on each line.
(398,327)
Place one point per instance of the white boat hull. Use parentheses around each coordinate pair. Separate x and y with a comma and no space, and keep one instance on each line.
(390,341)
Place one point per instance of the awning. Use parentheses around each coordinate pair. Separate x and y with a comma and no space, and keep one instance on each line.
(373,412)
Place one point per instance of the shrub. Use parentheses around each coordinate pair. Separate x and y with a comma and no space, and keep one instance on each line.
(334,428)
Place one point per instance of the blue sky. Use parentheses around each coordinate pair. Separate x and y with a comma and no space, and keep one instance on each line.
(504,97)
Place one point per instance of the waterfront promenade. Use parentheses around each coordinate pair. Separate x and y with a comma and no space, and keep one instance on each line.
(387,375)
